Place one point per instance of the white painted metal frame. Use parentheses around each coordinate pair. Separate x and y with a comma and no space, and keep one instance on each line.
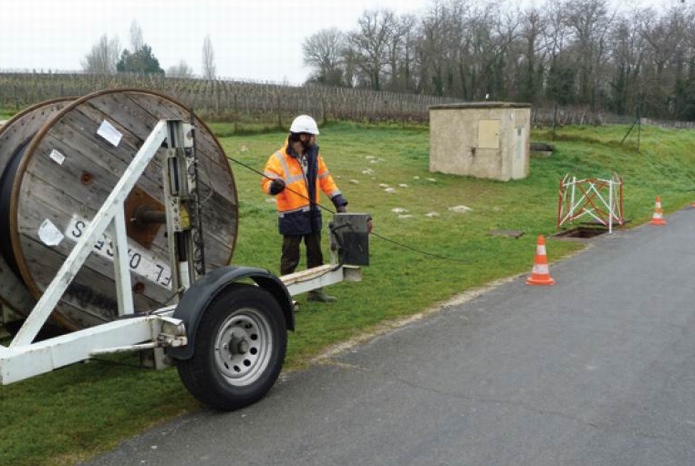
(23,359)
(21,362)
(318,277)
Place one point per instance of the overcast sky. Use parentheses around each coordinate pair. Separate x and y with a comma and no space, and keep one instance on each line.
(252,39)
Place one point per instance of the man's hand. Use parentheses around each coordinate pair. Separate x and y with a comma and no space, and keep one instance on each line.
(277,186)
(340,203)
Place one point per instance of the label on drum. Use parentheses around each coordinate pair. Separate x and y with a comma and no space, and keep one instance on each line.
(57,157)
(110,133)
(140,261)
(50,234)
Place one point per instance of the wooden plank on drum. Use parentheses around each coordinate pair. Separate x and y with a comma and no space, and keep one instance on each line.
(210,152)
(91,297)
(148,266)
(69,220)
(16,131)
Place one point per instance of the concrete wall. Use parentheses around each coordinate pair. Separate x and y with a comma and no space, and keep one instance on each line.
(484,140)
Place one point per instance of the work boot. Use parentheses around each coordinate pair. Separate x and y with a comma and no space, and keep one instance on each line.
(320,296)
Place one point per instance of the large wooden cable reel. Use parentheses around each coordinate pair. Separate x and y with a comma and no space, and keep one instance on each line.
(58,163)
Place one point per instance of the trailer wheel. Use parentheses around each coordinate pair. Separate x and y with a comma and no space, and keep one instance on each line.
(239,348)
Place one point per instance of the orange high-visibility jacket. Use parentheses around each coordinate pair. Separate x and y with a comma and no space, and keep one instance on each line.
(297,203)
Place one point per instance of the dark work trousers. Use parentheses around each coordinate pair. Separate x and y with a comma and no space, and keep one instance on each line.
(290,252)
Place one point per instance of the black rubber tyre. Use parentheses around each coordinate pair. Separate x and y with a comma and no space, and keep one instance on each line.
(239,349)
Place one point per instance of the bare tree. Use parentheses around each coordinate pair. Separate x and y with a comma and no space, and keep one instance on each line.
(137,40)
(399,52)
(408,45)
(349,66)
(182,70)
(370,43)
(463,49)
(323,51)
(500,78)
(484,49)
(436,29)
(209,69)
(533,53)
(590,23)
(560,73)
(664,59)
(627,60)
(103,57)
(556,34)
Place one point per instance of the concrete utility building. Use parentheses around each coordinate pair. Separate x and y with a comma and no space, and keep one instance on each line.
(481,139)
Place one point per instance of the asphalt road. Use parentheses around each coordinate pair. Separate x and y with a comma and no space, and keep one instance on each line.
(596,370)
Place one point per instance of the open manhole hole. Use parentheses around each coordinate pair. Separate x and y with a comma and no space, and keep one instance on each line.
(582,232)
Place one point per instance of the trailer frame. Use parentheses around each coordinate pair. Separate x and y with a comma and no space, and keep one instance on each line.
(155,330)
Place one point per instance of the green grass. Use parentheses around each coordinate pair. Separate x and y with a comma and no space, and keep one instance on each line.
(77,412)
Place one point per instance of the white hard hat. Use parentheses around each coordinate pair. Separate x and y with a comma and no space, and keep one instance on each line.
(304,124)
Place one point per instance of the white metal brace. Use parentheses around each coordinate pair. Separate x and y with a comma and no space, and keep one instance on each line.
(112,209)
(23,359)
(318,277)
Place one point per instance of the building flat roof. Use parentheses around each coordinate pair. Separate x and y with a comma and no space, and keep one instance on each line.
(482,104)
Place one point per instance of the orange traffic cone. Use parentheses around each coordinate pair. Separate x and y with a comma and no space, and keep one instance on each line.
(540,275)
(658,217)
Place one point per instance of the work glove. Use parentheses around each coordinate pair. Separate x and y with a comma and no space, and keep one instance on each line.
(340,203)
(277,186)
(312,150)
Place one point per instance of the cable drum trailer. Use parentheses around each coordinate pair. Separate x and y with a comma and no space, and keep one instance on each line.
(118,220)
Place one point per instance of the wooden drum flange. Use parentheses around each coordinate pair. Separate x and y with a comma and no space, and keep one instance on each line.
(75,152)
(15,135)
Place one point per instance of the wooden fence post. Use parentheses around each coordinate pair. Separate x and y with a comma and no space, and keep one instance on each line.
(279,113)
(236,113)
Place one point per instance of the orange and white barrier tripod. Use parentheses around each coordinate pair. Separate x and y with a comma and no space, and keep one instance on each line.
(595,199)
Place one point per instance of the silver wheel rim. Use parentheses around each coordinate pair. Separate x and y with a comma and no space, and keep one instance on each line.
(243,346)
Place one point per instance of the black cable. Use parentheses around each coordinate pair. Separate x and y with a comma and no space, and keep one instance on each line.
(420,251)
(111,362)
(7,181)
(405,246)
(287,188)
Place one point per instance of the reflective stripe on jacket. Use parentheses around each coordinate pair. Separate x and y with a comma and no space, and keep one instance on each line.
(297,215)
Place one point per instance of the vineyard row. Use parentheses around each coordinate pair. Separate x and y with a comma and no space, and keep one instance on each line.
(229,100)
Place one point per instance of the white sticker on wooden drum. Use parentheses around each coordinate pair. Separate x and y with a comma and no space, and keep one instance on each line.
(50,234)
(57,157)
(110,133)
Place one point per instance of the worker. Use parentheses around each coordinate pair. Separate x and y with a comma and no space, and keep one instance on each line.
(294,174)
